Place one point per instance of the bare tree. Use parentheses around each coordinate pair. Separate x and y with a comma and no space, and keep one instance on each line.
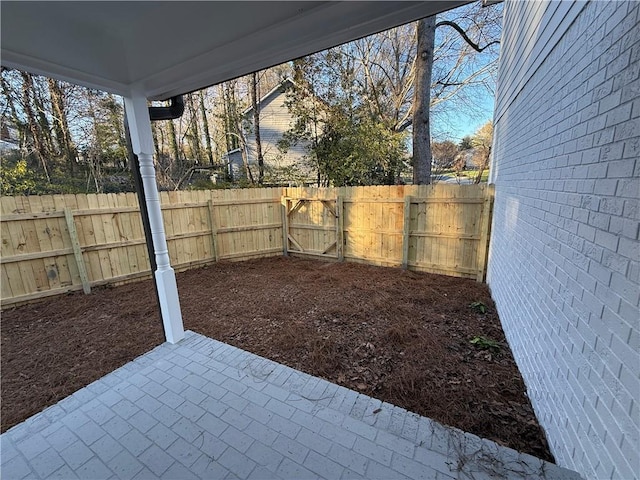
(93,154)
(255,104)
(61,124)
(386,63)
(380,73)
(39,95)
(174,151)
(481,142)
(205,128)
(444,153)
(35,128)
(449,82)
(426,36)
(233,121)
(193,131)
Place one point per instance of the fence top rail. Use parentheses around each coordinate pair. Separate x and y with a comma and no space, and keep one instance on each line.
(413,199)
(250,201)
(447,200)
(310,199)
(11,217)
(52,204)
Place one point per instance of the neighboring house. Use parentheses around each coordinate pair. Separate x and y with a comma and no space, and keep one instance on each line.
(468,159)
(564,257)
(275,119)
(9,137)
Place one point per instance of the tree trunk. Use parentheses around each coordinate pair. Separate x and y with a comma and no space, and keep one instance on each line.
(174,152)
(43,121)
(93,155)
(256,125)
(245,157)
(34,127)
(483,165)
(205,128)
(156,141)
(229,118)
(61,125)
(235,130)
(117,119)
(426,34)
(194,136)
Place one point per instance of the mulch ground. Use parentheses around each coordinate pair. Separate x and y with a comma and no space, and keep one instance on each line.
(411,339)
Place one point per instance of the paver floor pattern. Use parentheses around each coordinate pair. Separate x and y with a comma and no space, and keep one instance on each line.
(204,409)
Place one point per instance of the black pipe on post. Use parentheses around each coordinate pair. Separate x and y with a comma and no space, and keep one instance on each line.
(173,111)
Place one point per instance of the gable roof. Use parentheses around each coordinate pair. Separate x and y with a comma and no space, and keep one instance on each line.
(275,91)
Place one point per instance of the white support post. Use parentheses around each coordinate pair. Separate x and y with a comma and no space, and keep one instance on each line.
(142,143)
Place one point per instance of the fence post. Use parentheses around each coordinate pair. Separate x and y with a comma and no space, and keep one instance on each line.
(214,230)
(77,251)
(285,226)
(340,228)
(485,225)
(406,234)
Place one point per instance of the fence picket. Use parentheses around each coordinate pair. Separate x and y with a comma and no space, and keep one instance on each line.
(440,228)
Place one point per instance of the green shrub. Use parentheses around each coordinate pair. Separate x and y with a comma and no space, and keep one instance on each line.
(17,179)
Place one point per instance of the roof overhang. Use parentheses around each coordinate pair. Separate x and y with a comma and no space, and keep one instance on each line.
(165,48)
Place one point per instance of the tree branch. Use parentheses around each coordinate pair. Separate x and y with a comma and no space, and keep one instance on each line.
(450,84)
(458,29)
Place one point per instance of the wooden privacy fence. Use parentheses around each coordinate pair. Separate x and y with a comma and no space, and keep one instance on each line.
(59,243)
(440,229)
(54,244)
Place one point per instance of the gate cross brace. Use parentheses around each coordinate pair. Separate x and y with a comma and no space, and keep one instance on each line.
(295,207)
(297,245)
(334,244)
(329,207)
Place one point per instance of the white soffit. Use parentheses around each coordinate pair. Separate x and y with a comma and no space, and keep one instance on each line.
(165,48)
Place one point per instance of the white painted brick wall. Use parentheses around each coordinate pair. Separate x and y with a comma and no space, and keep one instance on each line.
(564,258)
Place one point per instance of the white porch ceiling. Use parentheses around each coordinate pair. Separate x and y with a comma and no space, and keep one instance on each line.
(165,48)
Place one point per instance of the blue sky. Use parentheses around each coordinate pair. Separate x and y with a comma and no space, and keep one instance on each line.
(460,123)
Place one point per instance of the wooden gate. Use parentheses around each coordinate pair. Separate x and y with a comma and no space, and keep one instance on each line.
(313,226)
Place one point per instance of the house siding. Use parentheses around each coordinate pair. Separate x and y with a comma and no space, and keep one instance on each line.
(275,121)
(564,257)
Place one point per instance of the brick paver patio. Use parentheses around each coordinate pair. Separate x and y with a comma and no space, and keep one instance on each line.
(204,409)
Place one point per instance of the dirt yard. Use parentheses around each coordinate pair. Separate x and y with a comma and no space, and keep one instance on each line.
(416,340)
